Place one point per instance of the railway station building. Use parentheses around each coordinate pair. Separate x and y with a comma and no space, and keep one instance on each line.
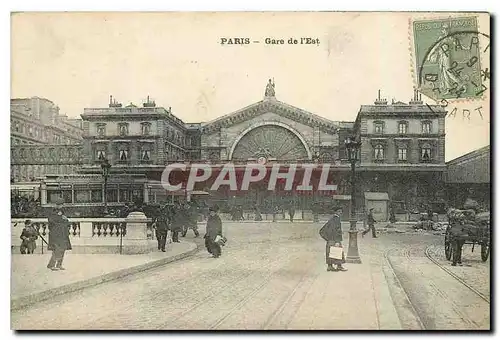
(401,157)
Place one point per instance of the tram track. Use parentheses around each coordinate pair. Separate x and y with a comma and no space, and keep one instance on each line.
(420,280)
(218,293)
(281,308)
(277,312)
(455,276)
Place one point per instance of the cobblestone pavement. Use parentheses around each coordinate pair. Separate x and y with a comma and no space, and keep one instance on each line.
(440,300)
(269,277)
(272,276)
(474,271)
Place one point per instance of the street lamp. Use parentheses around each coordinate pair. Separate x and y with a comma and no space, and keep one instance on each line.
(352,147)
(105,166)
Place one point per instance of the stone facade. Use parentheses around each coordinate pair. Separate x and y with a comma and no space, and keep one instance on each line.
(42,140)
(317,135)
(402,150)
(38,121)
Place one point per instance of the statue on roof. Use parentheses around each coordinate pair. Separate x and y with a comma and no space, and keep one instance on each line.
(270,89)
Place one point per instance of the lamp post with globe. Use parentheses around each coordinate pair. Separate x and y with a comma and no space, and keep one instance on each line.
(352,147)
(105,166)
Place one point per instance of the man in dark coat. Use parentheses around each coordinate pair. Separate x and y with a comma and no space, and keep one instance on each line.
(29,236)
(371,225)
(178,220)
(214,229)
(161,229)
(191,220)
(58,239)
(331,232)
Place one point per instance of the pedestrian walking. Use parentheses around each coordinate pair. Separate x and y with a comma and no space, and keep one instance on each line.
(190,220)
(162,229)
(291,212)
(177,224)
(29,235)
(258,215)
(331,232)
(371,225)
(214,229)
(58,239)
(275,212)
(392,216)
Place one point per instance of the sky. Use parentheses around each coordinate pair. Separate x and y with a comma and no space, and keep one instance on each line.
(78,60)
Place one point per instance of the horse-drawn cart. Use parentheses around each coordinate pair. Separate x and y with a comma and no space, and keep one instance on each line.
(471,228)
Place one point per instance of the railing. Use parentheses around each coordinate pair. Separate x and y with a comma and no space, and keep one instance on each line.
(90,231)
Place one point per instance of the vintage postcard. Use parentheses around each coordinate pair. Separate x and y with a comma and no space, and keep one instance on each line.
(250,171)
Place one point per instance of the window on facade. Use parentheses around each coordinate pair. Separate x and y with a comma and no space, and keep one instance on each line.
(82,196)
(426,127)
(379,152)
(30,131)
(402,154)
(101,130)
(145,129)
(145,155)
(17,127)
(124,195)
(378,127)
(426,154)
(123,155)
(96,195)
(112,195)
(403,127)
(123,129)
(100,155)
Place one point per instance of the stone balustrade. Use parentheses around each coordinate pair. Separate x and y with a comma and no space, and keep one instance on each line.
(131,235)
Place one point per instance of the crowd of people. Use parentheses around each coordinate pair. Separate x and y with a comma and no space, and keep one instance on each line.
(21,206)
(178,218)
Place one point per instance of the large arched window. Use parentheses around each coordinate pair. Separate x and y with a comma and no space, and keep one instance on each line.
(271,142)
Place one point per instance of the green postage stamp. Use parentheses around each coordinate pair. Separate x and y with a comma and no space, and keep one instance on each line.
(447,58)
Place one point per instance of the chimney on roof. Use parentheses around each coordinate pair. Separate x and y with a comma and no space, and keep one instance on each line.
(149,103)
(417,98)
(380,101)
(113,102)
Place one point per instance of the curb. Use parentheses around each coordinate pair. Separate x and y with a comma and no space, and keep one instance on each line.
(73,287)
(268,221)
(408,316)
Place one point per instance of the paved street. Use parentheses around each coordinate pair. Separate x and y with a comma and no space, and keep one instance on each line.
(439,300)
(272,276)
